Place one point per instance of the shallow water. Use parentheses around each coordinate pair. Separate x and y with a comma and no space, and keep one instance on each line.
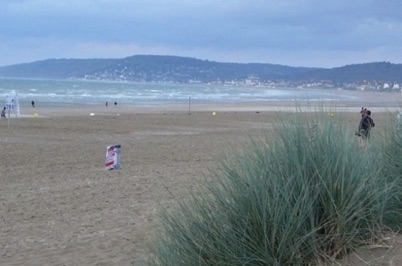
(75,92)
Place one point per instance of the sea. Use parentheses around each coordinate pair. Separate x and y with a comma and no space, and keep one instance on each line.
(80,93)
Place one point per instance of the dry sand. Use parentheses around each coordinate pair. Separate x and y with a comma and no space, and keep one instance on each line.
(59,206)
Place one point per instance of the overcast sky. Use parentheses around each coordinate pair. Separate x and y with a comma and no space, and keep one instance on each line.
(311,33)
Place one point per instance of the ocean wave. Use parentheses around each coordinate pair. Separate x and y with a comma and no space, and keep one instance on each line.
(81,92)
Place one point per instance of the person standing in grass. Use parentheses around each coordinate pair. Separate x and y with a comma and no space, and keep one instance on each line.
(366,124)
(363,112)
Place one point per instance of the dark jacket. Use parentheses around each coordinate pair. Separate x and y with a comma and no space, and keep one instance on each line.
(367,123)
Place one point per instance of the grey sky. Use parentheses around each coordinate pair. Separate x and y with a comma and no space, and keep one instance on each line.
(314,33)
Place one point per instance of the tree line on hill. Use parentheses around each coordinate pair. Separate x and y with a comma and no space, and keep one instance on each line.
(155,68)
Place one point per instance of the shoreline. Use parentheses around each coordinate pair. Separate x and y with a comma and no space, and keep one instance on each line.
(339,99)
(282,106)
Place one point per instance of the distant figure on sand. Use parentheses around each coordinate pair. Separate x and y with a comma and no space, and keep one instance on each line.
(115,103)
(3,112)
(366,123)
(33,104)
(106,104)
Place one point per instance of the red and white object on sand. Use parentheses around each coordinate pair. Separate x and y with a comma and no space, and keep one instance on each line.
(112,161)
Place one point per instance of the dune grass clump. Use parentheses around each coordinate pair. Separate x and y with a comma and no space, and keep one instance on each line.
(391,151)
(304,194)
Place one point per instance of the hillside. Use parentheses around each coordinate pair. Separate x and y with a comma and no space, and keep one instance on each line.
(152,68)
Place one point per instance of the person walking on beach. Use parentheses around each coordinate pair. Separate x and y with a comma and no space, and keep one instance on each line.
(33,104)
(365,126)
(3,112)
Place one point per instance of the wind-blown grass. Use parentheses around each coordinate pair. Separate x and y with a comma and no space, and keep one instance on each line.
(391,151)
(305,194)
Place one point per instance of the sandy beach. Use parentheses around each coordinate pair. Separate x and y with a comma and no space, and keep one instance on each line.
(59,206)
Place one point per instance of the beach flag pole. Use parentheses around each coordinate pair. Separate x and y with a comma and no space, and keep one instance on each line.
(189,105)
(8,117)
(17,105)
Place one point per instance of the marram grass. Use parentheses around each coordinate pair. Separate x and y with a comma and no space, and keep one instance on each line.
(307,193)
(391,152)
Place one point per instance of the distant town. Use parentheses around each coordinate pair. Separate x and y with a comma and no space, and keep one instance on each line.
(359,85)
(377,76)
(385,86)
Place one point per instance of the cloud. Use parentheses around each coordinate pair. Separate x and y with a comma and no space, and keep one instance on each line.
(298,30)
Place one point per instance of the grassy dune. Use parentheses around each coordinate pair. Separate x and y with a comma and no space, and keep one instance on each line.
(306,192)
